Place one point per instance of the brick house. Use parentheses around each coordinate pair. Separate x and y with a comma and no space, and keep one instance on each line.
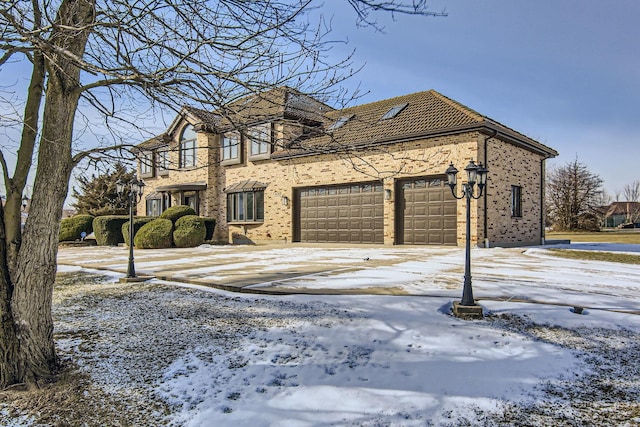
(284,167)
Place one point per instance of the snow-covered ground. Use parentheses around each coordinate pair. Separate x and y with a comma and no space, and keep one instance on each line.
(185,354)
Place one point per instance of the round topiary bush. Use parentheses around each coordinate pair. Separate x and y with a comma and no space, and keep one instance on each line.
(71,228)
(137,224)
(189,231)
(156,234)
(176,212)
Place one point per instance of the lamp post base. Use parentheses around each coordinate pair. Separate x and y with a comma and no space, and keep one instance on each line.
(467,311)
(135,279)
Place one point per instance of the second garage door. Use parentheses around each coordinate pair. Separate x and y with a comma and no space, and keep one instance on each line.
(340,214)
(426,212)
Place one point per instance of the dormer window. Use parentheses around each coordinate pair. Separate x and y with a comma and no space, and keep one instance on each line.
(260,141)
(188,147)
(394,111)
(339,123)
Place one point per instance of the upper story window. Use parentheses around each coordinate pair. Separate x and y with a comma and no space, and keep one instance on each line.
(260,142)
(230,148)
(146,164)
(162,159)
(188,147)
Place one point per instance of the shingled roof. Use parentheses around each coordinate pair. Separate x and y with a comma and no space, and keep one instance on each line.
(277,103)
(421,114)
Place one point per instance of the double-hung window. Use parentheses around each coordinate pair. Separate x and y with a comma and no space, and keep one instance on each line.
(516,201)
(260,141)
(230,148)
(188,147)
(246,206)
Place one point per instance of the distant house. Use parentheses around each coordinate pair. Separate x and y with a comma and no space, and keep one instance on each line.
(284,167)
(619,214)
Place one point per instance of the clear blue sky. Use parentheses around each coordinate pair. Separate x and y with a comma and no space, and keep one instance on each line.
(564,72)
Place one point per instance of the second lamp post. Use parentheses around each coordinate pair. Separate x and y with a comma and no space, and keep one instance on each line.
(132,189)
(476,174)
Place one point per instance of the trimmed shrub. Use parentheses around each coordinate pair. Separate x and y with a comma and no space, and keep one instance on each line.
(108,229)
(210,225)
(137,224)
(156,234)
(70,228)
(189,231)
(176,212)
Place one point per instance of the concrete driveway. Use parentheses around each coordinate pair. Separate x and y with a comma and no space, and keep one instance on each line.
(518,274)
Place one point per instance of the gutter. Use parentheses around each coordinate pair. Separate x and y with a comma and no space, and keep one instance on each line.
(486,209)
(485,127)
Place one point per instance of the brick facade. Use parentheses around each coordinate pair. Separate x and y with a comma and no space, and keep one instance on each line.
(492,222)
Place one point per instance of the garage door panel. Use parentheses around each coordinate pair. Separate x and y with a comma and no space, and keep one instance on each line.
(349,213)
(429,214)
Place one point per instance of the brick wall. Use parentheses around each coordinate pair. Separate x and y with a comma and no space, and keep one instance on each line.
(508,165)
(513,166)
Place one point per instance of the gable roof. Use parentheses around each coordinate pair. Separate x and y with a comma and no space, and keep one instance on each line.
(622,208)
(278,103)
(425,114)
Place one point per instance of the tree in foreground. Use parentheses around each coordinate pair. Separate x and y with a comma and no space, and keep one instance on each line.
(573,196)
(112,62)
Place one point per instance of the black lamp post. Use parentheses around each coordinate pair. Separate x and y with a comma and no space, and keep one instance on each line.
(133,189)
(476,174)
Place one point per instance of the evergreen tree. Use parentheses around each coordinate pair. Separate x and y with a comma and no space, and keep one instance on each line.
(97,195)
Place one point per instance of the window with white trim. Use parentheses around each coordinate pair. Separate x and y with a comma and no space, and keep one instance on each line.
(260,141)
(230,148)
(188,147)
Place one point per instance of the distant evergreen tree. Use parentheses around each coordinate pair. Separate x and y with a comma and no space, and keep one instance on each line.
(97,195)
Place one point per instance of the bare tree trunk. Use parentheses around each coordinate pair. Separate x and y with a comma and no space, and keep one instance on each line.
(9,364)
(29,289)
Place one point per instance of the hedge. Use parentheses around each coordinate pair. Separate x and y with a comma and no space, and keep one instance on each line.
(137,224)
(156,234)
(176,212)
(108,229)
(189,231)
(71,228)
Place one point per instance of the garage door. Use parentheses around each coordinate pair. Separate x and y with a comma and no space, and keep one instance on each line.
(426,212)
(340,214)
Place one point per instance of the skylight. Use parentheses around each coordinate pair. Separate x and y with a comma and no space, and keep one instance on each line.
(394,111)
(339,123)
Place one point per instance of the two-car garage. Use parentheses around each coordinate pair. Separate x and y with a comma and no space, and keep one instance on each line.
(354,213)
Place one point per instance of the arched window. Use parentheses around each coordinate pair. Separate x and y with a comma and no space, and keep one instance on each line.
(188,147)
